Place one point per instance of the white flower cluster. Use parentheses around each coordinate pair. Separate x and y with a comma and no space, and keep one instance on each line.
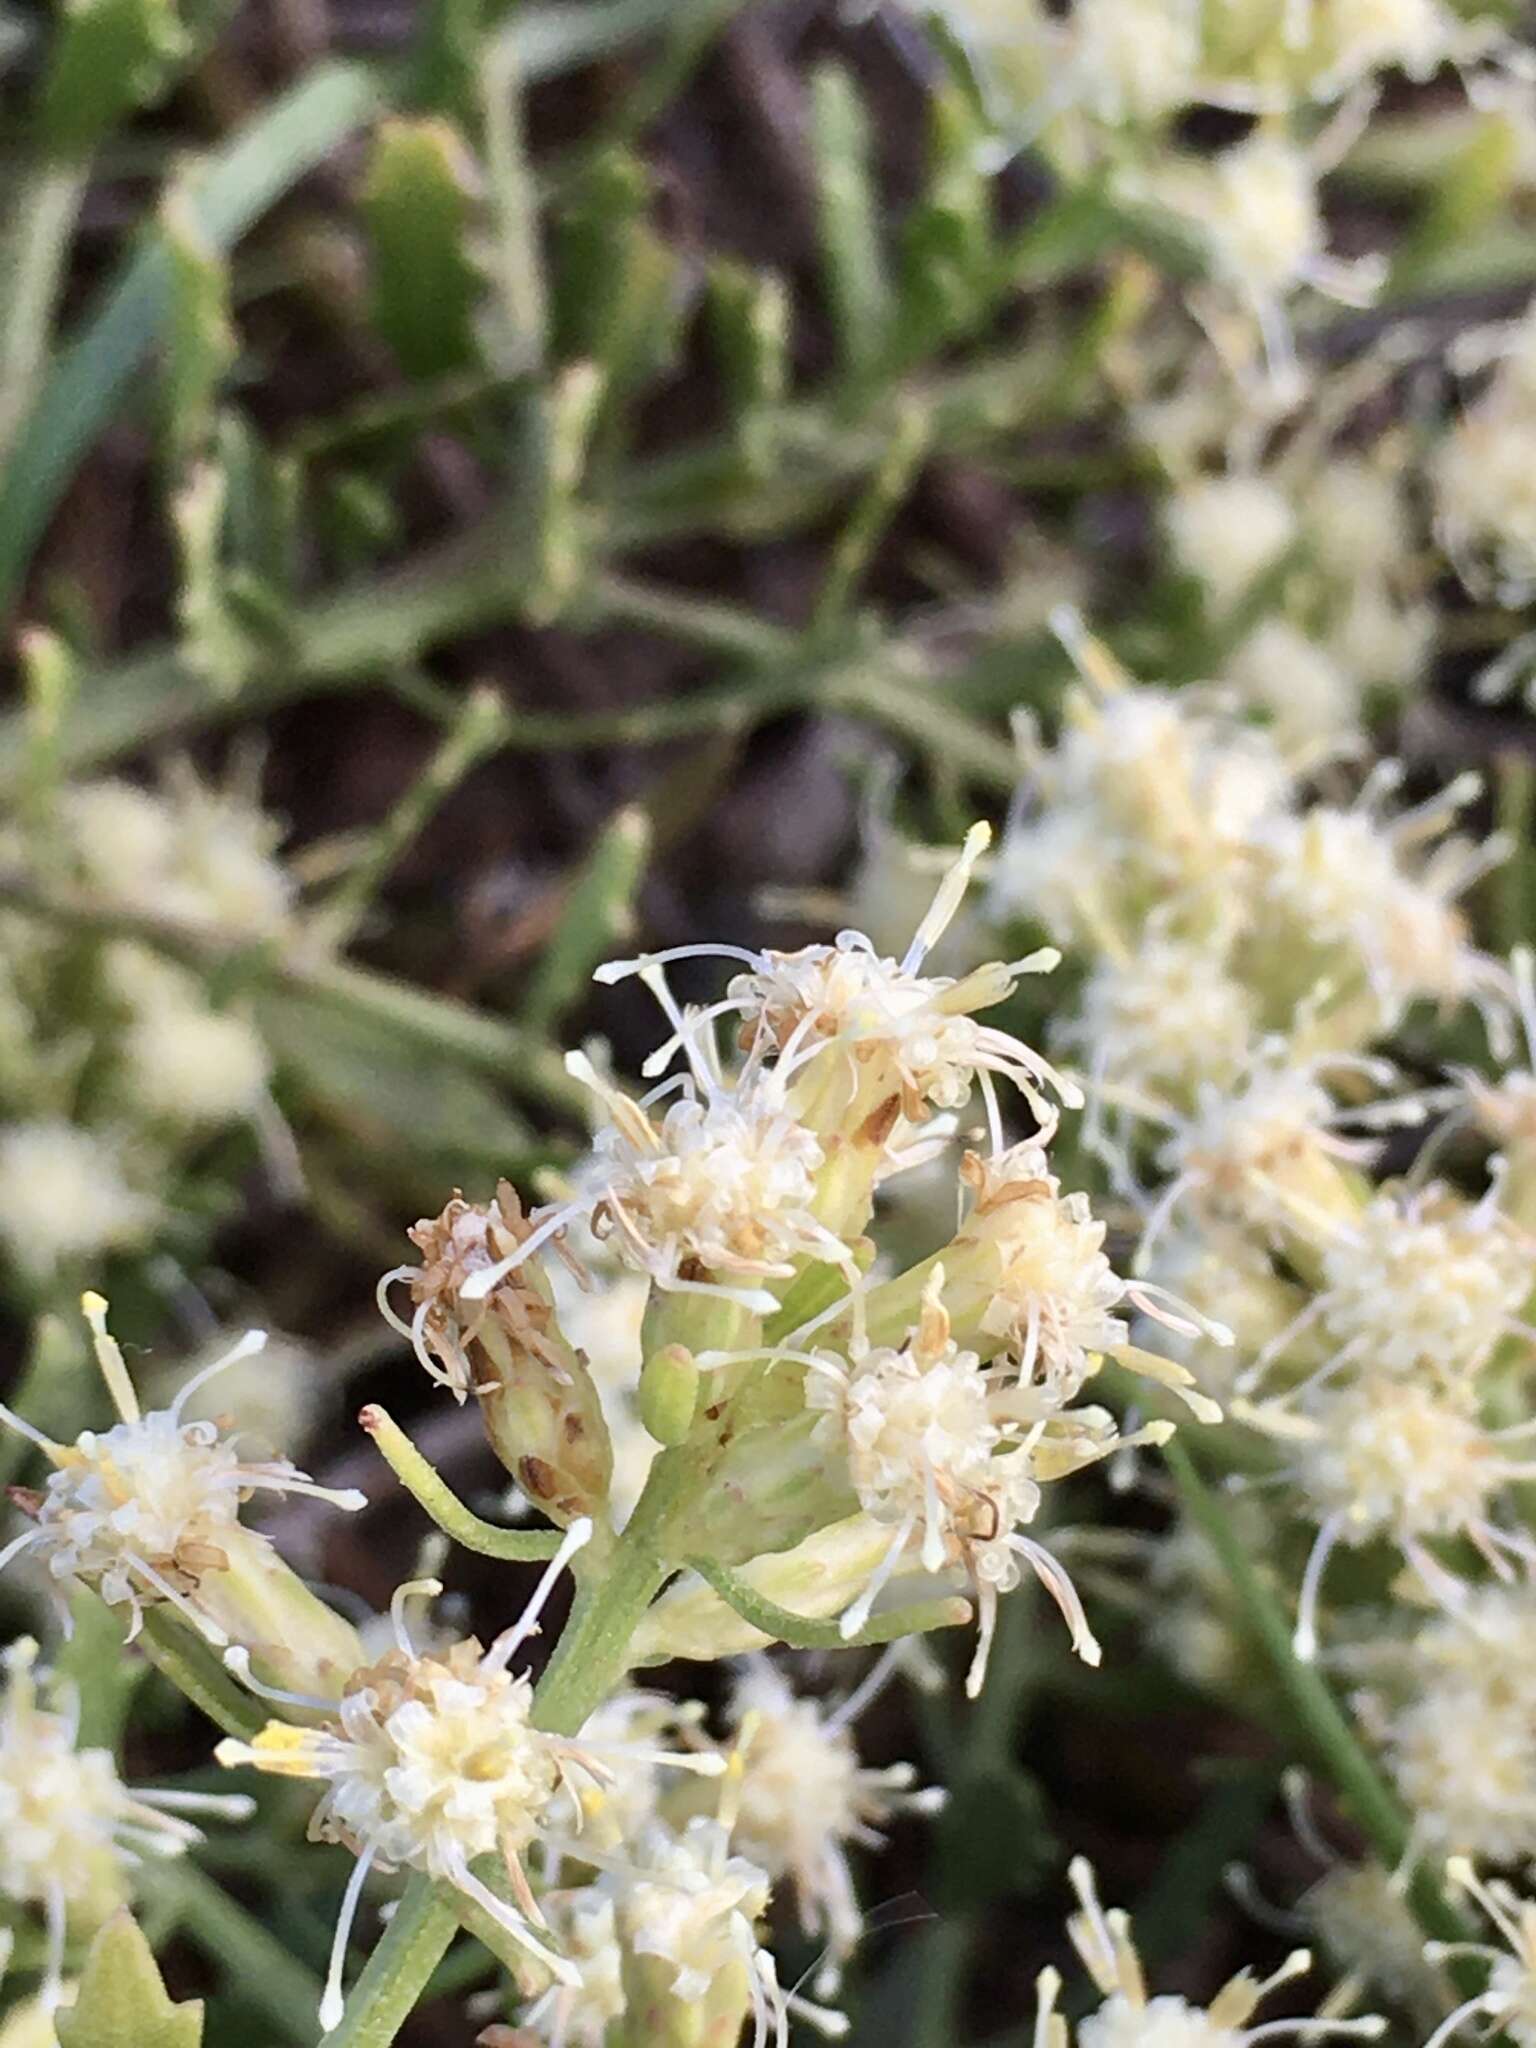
(71,1832)
(118,1067)
(1105,84)
(147,1514)
(623,1894)
(1131,2016)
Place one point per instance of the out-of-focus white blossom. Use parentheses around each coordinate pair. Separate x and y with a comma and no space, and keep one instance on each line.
(1227,530)
(1304,691)
(1132,2017)
(187,853)
(1461,1739)
(1484,476)
(66,1197)
(803,1797)
(71,1832)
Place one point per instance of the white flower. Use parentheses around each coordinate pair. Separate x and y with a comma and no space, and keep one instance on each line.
(189,853)
(1356,513)
(1304,691)
(1508,2004)
(1227,530)
(1134,60)
(1146,795)
(1130,2017)
(144,1511)
(894,1026)
(1256,205)
(1394,1458)
(71,1832)
(184,1061)
(952,1461)
(1462,1740)
(1347,895)
(1484,476)
(1166,1016)
(65,1197)
(1425,1285)
(582,1923)
(803,1796)
(715,1196)
(1263,1156)
(691,1904)
(432,1761)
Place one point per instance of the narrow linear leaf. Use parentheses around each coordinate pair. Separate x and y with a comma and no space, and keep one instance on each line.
(856,279)
(597,913)
(200,339)
(243,179)
(419,203)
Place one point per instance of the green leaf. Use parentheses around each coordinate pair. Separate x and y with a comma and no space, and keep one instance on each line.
(108,57)
(851,250)
(92,377)
(617,301)
(441,74)
(597,913)
(749,318)
(418,201)
(122,2002)
(950,278)
(200,340)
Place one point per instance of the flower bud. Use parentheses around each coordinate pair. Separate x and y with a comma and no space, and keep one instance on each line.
(504,1344)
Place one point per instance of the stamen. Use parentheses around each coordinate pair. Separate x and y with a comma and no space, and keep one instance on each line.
(237,1659)
(507,1644)
(110,1358)
(426,1589)
(333,2004)
(248,1346)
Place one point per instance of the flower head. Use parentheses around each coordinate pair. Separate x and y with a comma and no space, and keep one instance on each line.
(803,1797)
(890,1034)
(1508,2003)
(149,1510)
(430,1761)
(71,1832)
(1461,1739)
(66,1197)
(1131,2017)
(952,1459)
(188,852)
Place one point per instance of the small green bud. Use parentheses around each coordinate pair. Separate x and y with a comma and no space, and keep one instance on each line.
(669,1393)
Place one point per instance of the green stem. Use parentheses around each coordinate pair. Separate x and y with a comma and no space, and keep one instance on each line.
(593,1652)
(198,1675)
(477,730)
(1335,1745)
(396,1974)
(254,1959)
